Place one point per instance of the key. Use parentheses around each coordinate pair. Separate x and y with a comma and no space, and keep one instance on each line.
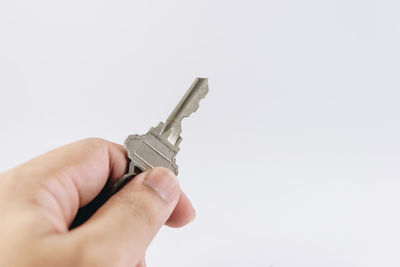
(159,147)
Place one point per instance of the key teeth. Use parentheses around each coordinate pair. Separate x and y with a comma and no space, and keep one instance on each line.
(204,92)
(202,96)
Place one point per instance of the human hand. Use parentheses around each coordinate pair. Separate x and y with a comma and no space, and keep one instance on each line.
(40,199)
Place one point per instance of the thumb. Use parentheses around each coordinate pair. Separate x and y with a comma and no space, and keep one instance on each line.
(124,226)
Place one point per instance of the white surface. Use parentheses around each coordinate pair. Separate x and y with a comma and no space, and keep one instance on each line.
(292,160)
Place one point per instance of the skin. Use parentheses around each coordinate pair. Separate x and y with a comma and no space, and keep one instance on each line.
(40,199)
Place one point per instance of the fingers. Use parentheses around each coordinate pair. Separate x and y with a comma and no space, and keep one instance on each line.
(125,225)
(183,214)
(67,178)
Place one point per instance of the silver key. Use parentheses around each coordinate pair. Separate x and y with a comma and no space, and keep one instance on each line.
(159,147)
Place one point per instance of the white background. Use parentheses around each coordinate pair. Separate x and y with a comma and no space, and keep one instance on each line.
(293,159)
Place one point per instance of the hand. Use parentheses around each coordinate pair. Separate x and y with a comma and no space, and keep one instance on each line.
(39,200)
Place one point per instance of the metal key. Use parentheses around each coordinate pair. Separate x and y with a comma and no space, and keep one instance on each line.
(159,147)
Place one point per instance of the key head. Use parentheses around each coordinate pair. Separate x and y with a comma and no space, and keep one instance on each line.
(151,150)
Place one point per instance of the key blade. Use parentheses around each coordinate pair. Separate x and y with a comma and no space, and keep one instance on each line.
(190,102)
(188,105)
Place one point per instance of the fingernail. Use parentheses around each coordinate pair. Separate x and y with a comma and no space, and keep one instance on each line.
(164,182)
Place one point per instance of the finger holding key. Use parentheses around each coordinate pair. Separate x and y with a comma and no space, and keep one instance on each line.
(132,217)
(40,198)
